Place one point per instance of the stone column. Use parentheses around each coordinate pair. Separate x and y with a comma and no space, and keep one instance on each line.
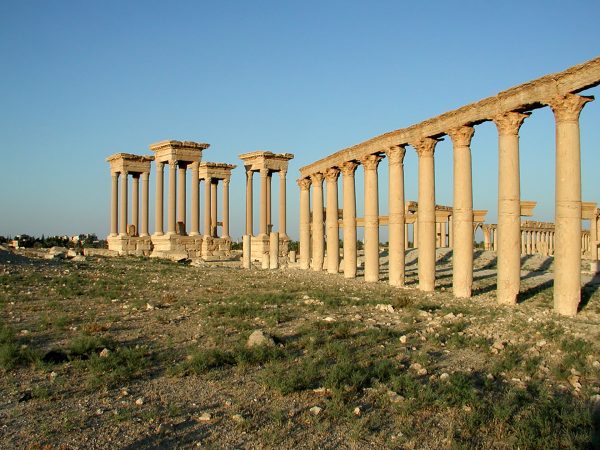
(274,250)
(145,187)
(225,229)
(158,213)
(528,237)
(124,193)
(195,219)
(213,207)
(451,231)
(370,163)
(135,202)
(333,233)
(181,200)
(486,237)
(426,215)
(462,259)
(349,211)
(397,228)
(317,223)
(416,233)
(304,185)
(594,238)
(246,251)
(114,204)
(207,206)
(509,206)
(523,243)
(282,205)
(172,196)
(495,231)
(567,261)
(249,225)
(269,216)
(264,175)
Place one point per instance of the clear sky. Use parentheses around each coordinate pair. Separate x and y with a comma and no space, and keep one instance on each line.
(81,80)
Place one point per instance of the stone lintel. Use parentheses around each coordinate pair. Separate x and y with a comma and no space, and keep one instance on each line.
(527,208)
(186,151)
(528,96)
(128,162)
(589,210)
(219,171)
(261,159)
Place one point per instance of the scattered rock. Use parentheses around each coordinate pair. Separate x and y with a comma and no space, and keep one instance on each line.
(237,418)
(258,338)
(328,319)
(164,428)
(104,353)
(444,376)
(386,308)
(449,316)
(316,410)
(204,417)
(357,411)
(403,339)
(79,258)
(596,364)
(139,401)
(541,343)
(394,397)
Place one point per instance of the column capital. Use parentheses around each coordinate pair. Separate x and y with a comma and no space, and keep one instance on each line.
(348,168)
(396,154)
(173,163)
(195,166)
(283,173)
(304,184)
(226,181)
(332,174)
(566,108)
(370,162)
(461,136)
(145,176)
(115,174)
(316,178)
(264,173)
(508,123)
(425,147)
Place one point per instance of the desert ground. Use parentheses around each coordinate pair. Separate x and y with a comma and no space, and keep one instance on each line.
(144,353)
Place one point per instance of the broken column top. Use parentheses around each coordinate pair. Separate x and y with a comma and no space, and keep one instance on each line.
(128,162)
(184,151)
(262,159)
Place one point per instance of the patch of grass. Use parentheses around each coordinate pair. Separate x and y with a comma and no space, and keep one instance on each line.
(86,345)
(12,353)
(119,366)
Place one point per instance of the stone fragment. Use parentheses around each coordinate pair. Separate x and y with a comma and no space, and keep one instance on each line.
(139,401)
(79,258)
(385,308)
(204,417)
(258,338)
(394,397)
(357,411)
(403,339)
(316,410)
(237,418)
(104,353)
(444,376)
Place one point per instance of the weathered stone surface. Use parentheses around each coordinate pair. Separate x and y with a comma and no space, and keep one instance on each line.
(258,338)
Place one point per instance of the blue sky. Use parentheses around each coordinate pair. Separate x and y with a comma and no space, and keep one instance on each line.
(83,80)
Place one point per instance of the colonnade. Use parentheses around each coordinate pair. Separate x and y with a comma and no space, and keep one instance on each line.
(508,111)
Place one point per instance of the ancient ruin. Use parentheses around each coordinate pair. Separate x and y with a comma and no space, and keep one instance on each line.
(508,110)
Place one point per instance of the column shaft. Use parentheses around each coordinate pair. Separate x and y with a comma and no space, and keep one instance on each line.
(181,200)
(426,214)
(135,202)
(317,223)
(397,228)
(158,213)
(264,175)
(509,207)
(207,206)
(567,261)
(462,259)
(195,219)
(114,204)
(282,205)
(370,164)
(333,234)
(269,216)
(213,207)
(349,218)
(225,233)
(145,188)
(249,209)
(172,225)
(124,193)
(304,185)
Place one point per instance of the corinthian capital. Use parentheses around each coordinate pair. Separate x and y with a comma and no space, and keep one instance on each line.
(348,168)
(304,184)
(316,178)
(425,147)
(510,122)
(396,154)
(370,162)
(461,136)
(332,174)
(566,108)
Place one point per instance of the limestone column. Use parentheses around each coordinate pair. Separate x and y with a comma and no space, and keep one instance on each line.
(509,206)
(594,238)
(124,193)
(438,234)
(264,175)
(135,202)
(333,233)
(181,212)
(523,243)
(158,213)
(397,228)
(145,187)
(451,231)
(529,250)
(304,185)
(567,262)
(225,229)
(486,237)
(213,207)
(462,256)
(426,216)
(269,216)
(195,219)
(246,252)
(370,163)
(552,243)
(207,206)
(317,224)
(249,225)
(114,204)
(495,231)
(172,196)
(349,218)
(282,205)
(416,233)
(274,250)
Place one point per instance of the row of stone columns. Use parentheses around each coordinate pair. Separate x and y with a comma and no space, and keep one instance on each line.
(118,220)
(537,241)
(265,202)
(568,209)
